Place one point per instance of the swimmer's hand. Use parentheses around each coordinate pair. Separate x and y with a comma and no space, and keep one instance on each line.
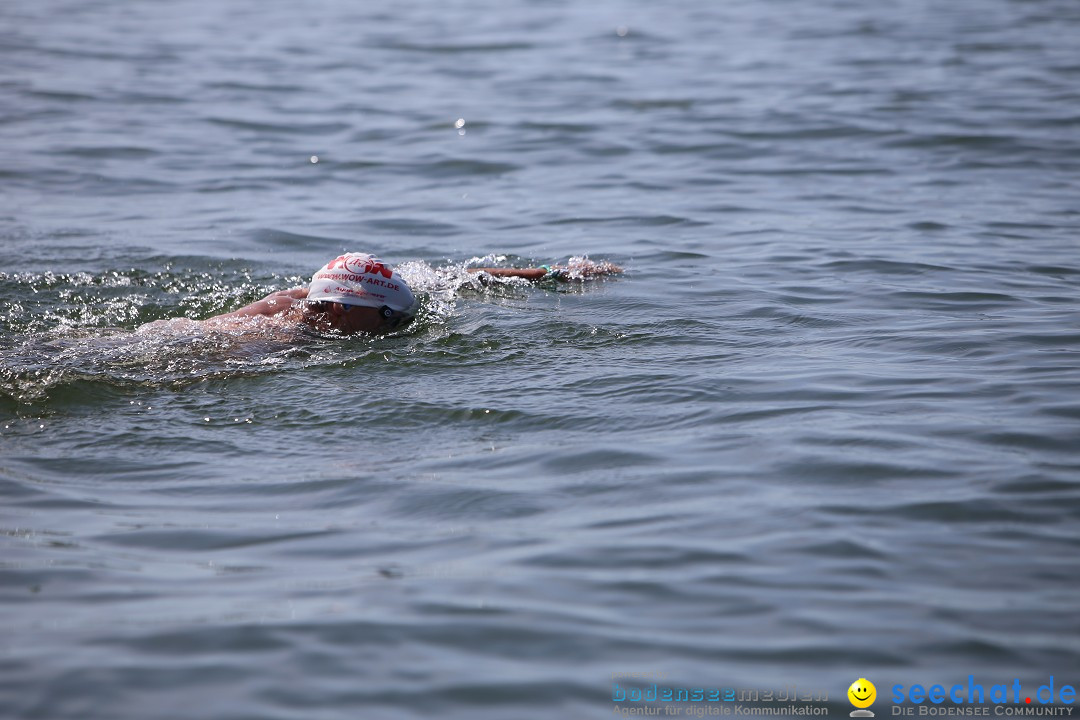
(575,269)
(580,268)
(273,304)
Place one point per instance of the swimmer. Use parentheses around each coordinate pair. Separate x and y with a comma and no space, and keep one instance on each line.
(358,293)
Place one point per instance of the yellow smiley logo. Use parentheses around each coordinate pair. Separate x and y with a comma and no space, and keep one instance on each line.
(862,693)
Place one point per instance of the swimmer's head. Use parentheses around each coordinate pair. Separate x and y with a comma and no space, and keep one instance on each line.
(357,292)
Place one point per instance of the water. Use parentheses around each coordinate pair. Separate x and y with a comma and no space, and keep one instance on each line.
(824,427)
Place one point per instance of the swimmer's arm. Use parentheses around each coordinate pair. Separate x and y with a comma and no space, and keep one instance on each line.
(581,270)
(273,304)
(527,273)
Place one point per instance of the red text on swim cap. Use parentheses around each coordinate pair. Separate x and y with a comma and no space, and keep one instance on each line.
(360,264)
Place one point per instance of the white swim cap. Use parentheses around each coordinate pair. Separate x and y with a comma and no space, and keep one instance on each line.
(361,279)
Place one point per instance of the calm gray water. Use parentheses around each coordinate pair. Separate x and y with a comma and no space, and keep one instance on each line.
(824,427)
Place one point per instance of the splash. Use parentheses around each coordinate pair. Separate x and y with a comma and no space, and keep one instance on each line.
(442,287)
(121,327)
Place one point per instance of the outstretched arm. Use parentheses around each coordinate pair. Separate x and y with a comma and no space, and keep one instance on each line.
(272,304)
(527,273)
(575,270)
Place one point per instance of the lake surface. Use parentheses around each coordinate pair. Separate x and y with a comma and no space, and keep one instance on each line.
(824,427)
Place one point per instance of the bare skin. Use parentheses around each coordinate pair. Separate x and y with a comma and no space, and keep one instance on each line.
(324,317)
(558,272)
(273,304)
